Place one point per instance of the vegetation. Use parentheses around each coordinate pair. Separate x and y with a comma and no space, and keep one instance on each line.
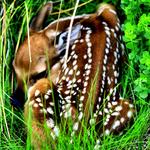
(135,18)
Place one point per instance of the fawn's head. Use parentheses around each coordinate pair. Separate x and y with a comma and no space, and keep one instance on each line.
(33,57)
(38,52)
(35,53)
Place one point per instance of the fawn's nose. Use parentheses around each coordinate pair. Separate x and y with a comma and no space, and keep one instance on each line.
(17,98)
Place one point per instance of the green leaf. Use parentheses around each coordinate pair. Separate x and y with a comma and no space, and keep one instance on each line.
(144,94)
(130,32)
(144,22)
(130,45)
(145,59)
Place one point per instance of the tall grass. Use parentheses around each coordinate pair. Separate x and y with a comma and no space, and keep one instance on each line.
(14,22)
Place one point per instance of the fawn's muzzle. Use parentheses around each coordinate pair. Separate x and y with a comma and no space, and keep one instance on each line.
(17,98)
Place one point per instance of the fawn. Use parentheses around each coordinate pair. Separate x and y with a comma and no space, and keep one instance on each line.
(92,66)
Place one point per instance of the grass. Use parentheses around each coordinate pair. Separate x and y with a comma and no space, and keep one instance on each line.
(13,27)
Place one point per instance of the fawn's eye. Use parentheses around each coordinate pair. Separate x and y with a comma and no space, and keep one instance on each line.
(38,76)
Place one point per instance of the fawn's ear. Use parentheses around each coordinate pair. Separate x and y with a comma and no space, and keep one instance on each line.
(37,22)
(61,39)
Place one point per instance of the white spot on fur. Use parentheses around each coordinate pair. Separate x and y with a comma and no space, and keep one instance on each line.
(116,81)
(89,60)
(84,90)
(114,103)
(75,127)
(129,114)
(117,28)
(80,116)
(75,67)
(87,72)
(66,71)
(40,104)
(49,92)
(89,44)
(95,115)
(56,131)
(122,120)
(118,108)
(67,92)
(80,105)
(89,50)
(78,73)
(109,105)
(51,103)
(107,45)
(38,99)
(79,81)
(87,78)
(50,110)
(90,55)
(73,47)
(35,105)
(37,92)
(106,110)
(76,41)
(131,105)
(112,30)
(81,98)
(116,124)
(112,11)
(68,113)
(74,62)
(108,40)
(68,97)
(70,72)
(109,81)
(107,132)
(85,56)
(81,41)
(107,32)
(115,114)
(46,97)
(86,66)
(100,113)
(99,99)
(107,50)
(72,53)
(85,84)
(50,123)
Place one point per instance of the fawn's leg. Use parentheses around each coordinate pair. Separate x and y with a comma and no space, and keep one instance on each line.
(117,115)
(42,112)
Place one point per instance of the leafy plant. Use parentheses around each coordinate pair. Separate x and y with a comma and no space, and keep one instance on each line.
(137,39)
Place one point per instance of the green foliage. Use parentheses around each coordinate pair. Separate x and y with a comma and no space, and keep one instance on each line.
(142,83)
(137,39)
